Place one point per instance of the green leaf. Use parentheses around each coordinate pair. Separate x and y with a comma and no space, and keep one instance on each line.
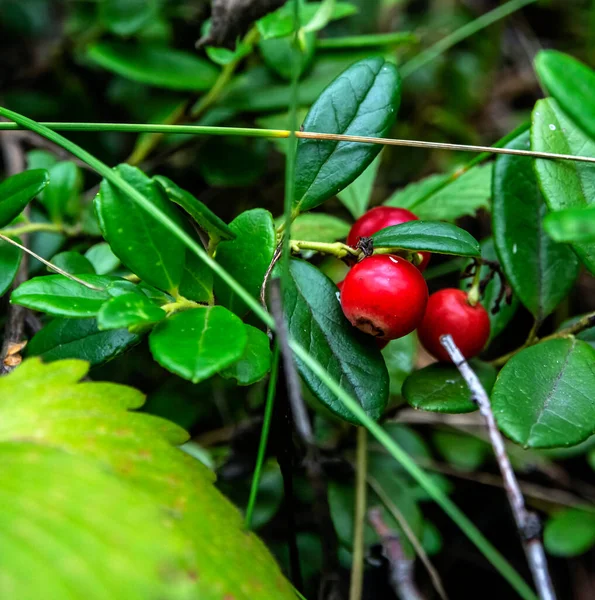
(315,320)
(79,338)
(17,191)
(500,319)
(570,532)
(102,258)
(440,388)
(571,83)
(255,362)
(246,258)
(564,183)
(280,22)
(357,195)
(362,101)
(541,398)
(571,225)
(155,65)
(126,17)
(278,54)
(63,297)
(197,281)
(42,556)
(540,271)
(128,310)
(10,260)
(318,227)
(464,196)
(464,452)
(399,356)
(73,263)
(62,196)
(141,242)
(224,56)
(202,215)
(441,238)
(198,343)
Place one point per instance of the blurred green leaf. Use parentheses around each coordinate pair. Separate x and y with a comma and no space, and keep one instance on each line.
(464,452)
(571,225)
(255,362)
(278,54)
(357,195)
(318,227)
(10,260)
(61,198)
(102,258)
(18,190)
(570,532)
(399,356)
(126,17)
(73,263)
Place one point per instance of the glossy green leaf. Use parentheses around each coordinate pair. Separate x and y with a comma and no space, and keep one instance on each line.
(462,451)
(399,356)
(564,183)
(17,191)
(571,225)
(440,388)
(571,83)
(63,297)
(155,65)
(318,227)
(541,398)
(10,260)
(202,215)
(278,54)
(255,362)
(195,344)
(79,338)
(428,199)
(357,195)
(441,238)
(315,320)
(125,17)
(73,263)
(570,532)
(142,243)
(62,196)
(500,319)
(247,258)
(131,554)
(540,271)
(197,281)
(280,22)
(127,311)
(102,258)
(362,101)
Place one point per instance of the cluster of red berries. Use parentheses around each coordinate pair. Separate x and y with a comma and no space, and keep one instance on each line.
(386,296)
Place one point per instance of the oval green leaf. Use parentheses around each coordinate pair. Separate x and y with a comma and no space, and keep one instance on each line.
(128,310)
(318,227)
(440,388)
(197,343)
(255,362)
(247,258)
(571,83)
(73,263)
(564,183)
(540,271)
(79,338)
(61,198)
(102,258)
(570,532)
(277,54)
(441,238)
(202,215)
(18,190)
(125,17)
(10,260)
(315,320)
(141,242)
(357,195)
(362,101)
(197,280)
(542,396)
(155,65)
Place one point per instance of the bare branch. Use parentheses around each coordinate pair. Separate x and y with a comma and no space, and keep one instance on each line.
(528,523)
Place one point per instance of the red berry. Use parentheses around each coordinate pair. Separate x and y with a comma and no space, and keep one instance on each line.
(449,312)
(378,218)
(384,296)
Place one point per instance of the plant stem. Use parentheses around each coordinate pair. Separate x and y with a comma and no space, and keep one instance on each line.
(337,249)
(433,52)
(32,228)
(181,303)
(264,436)
(357,564)
(365,41)
(528,524)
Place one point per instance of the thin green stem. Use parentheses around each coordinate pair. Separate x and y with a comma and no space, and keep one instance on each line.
(32,228)
(351,403)
(264,436)
(180,304)
(337,249)
(367,41)
(357,562)
(433,52)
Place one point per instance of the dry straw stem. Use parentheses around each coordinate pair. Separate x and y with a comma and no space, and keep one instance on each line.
(528,524)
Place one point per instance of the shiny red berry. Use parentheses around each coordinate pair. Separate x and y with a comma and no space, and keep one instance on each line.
(384,296)
(449,312)
(378,218)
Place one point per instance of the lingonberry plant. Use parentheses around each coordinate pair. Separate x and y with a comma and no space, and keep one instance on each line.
(239,317)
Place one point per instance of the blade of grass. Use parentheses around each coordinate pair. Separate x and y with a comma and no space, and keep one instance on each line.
(497,560)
